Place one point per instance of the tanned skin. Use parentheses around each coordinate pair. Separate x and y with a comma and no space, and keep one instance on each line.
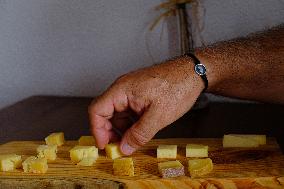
(248,68)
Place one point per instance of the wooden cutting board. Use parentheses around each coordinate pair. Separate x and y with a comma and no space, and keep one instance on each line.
(261,167)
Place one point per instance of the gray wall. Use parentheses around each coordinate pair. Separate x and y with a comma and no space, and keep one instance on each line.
(78,47)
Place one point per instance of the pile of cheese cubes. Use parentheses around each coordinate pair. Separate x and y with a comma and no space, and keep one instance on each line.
(86,153)
(196,167)
(198,163)
(34,164)
(83,154)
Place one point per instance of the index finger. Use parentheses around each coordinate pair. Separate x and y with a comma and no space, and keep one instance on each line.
(101,111)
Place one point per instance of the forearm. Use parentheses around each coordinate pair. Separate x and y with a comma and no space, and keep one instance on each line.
(248,68)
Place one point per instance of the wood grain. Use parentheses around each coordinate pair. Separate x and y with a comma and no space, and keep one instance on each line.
(260,167)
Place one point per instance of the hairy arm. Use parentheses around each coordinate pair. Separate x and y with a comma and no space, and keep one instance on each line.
(248,68)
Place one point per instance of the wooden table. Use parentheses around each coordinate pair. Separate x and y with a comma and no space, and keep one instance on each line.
(234,168)
(36,117)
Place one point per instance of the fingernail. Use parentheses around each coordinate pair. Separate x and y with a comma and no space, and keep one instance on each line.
(127,149)
(101,147)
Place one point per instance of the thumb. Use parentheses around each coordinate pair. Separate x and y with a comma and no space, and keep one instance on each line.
(140,132)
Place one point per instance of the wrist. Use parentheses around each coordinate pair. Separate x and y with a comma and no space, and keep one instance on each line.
(212,71)
(199,69)
(193,80)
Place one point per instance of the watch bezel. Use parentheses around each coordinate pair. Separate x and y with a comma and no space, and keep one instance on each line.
(197,70)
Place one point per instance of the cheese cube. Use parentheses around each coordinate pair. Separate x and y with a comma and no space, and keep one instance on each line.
(87,141)
(171,169)
(10,162)
(82,155)
(55,139)
(123,167)
(113,151)
(196,150)
(199,167)
(239,141)
(35,165)
(46,151)
(261,139)
(167,151)
(87,162)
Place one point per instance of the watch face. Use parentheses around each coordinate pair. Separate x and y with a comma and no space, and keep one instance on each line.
(200,69)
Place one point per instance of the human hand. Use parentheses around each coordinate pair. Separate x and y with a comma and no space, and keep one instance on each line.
(141,103)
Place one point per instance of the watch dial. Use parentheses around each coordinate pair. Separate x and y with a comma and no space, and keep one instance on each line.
(200,69)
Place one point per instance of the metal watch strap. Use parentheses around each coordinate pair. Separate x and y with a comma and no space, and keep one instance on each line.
(198,69)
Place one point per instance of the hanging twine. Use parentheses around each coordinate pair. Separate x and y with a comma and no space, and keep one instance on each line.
(178,8)
(171,9)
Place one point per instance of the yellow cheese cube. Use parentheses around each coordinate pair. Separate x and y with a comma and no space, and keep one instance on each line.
(55,139)
(199,167)
(196,150)
(113,151)
(87,162)
(123,167)
(87,141)
(35,165)
(9,162)
(171,169)
(47,151)
(167,151)
(261,139)
(83,153)
(239,141)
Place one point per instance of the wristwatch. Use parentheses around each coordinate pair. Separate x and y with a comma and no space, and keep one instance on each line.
(199,69)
